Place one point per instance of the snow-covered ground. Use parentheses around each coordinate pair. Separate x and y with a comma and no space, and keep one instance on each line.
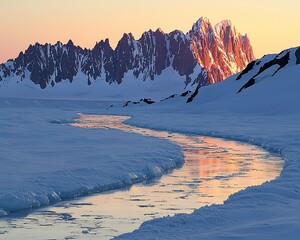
(43,161)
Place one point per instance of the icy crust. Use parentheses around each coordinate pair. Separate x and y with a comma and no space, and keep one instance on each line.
(44,161)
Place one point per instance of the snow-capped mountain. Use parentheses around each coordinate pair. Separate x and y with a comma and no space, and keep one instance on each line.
(205,55)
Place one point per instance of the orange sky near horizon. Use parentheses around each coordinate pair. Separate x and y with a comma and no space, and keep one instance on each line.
(272,25)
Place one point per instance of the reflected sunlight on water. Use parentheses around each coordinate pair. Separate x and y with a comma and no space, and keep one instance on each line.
(221,162)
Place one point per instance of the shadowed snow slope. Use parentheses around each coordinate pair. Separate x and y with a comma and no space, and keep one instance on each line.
(265,113)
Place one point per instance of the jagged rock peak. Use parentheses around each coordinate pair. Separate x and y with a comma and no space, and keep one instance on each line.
(160,30)
(200,23)
(70,43)
(220,49)
(224,26)
(200,27)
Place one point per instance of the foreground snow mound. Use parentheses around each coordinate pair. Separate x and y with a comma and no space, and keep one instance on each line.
(45,161)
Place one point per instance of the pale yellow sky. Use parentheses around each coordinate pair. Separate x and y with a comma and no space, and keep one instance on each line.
(272,25)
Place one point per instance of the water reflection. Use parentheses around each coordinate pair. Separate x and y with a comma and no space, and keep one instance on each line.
(221,162)
(213,170)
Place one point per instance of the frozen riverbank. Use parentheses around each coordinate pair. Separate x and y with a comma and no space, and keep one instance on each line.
(43,161)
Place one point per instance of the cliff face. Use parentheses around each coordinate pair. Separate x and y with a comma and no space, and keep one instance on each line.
(220,49)
(206,54)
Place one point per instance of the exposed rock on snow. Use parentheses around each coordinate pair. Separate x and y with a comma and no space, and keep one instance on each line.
(265,66)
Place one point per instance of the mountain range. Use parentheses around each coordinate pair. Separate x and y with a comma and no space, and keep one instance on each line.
(205,55)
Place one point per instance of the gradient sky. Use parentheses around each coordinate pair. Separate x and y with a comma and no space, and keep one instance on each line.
(272,25)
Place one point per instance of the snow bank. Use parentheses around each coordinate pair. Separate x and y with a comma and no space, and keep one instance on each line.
(44,160)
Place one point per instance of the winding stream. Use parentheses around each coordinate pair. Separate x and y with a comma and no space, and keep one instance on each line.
(213,170)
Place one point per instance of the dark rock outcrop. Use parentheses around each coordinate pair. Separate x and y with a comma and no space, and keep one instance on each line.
(191,98)
(268,66)
(281,61)
(248,84)
(297,53)
(246,70)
